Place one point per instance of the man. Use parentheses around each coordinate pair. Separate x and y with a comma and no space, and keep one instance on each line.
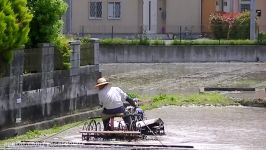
(112,100)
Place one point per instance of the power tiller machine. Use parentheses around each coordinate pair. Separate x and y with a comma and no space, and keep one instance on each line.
(139,127)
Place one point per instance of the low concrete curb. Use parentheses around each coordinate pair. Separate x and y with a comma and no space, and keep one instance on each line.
(10,132)
(228,89)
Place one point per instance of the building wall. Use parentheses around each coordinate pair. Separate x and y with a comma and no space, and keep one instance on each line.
(129,22)
(185,13)
(161,17)
(208,7)
(261,4)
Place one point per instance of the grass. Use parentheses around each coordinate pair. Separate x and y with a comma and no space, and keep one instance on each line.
(256,102)
(214,42)
(120,41)
(205,99)
(38,133)
(157,42)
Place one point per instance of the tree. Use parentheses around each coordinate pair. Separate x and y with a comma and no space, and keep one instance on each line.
(14,27)
(46,26)
(47,22)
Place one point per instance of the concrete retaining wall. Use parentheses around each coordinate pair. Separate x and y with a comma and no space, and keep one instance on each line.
(175,54)
(32,97)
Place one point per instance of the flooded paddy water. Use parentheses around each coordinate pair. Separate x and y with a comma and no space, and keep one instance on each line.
(204,128)
(234,128)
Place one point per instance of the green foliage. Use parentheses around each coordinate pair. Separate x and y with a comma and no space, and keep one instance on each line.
(85,40)
(157,42)
(39,133)
(214,42)
(219,26)
(230,25)
(196,99)
(262,38)
(144,41)
(241,27)
(47,24)
(14,27)
(114,41)
(86,51)
(62,45)
(120,41)
(133,95)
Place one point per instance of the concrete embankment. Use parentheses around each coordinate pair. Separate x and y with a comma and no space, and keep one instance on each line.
(177,54)
(10,132)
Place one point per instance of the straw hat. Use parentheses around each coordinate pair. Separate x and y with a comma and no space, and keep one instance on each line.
(101,81)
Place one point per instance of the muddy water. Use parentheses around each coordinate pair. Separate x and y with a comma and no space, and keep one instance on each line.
(238,128)
(212,128)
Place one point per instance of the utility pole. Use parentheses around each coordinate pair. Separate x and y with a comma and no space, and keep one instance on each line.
(252,19)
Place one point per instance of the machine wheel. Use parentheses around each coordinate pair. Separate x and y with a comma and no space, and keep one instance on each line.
(92,125)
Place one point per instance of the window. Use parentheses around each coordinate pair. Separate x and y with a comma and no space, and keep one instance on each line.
(225,3)
(95,10)
(245,7)
(114,10)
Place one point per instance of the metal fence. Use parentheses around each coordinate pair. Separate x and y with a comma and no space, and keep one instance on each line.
(184,32)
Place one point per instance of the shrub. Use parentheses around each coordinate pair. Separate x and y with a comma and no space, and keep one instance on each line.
(262,38)
(14,27)
(241,26)
(62,45)
(220,25)
(230,25)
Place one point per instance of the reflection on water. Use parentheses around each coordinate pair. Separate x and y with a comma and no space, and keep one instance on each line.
(214,127)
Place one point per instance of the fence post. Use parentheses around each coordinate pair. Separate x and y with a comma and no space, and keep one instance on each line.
(112,32)
(47,66)
(74,74)
(96,50)
(15,85)
(180,34)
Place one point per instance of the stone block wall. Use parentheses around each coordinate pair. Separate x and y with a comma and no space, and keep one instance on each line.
(27,97)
